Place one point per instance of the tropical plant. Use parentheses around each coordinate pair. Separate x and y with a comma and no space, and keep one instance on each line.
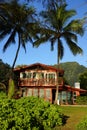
(4,73)
(58,25)
(11,88)
(2,87)
(29,113)
(82,100)
(83,80)
(49,3)
(72,72)
(17,21)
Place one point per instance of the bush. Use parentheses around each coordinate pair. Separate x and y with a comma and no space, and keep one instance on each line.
(83,124)
(11,88)
(29,113)
(81,100)
(3,95)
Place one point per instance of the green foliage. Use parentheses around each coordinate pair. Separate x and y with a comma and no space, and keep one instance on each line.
(72,71)
(81,100)
(83,124)
(29,113)
(2,87)
(11,88)
(83,80)
(19,20)
(3,95)
(4,72)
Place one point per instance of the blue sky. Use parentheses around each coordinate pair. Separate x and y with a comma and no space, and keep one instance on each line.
(43,54)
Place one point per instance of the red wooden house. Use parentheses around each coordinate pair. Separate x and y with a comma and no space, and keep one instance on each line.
(40,80)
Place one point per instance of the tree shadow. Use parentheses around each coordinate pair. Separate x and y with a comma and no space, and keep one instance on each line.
(64,120)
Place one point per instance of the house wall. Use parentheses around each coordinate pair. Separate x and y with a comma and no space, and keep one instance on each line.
(38,74)
(77,85)
(45,93)
(38,78)
(41,82)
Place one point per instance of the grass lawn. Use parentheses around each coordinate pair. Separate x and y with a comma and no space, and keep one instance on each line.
(74,115)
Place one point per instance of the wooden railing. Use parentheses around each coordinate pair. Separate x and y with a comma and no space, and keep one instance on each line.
(40,82)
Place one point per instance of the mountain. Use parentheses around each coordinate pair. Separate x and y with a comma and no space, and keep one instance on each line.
(72,71)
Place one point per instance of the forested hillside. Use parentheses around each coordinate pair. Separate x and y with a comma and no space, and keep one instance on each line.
(4,72)
(72,71)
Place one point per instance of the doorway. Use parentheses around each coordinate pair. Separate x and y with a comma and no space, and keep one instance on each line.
(53,95)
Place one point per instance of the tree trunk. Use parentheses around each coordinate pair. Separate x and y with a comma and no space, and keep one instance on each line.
(16,52)
(10,90)
(57,74)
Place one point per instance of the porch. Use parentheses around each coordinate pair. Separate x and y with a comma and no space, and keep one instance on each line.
(39,82)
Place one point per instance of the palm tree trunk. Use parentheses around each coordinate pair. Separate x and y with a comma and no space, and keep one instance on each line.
(16,52)
(12,87)
(57,73)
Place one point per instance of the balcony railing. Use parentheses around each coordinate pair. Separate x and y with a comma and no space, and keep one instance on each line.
(39,82)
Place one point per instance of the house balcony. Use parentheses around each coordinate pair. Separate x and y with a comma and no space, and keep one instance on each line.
(39,82)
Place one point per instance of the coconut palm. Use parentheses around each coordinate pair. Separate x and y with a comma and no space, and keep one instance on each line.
(58,26)
(49,2)
(17,22)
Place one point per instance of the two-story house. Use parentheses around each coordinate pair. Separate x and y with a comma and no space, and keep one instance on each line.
(40,80)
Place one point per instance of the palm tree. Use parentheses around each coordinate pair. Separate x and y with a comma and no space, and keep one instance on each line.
(49,2)
(58,25)
(17,20)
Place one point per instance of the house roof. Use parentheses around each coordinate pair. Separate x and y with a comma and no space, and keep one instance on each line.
(38,66)
(75,89)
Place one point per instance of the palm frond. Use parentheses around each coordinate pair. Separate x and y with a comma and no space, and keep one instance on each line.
(15,19)
(76,26)
(70,35)
(66,15)
(10,40)
(41,40)
(52,40)
(75,49)
(23,45)
(60,49)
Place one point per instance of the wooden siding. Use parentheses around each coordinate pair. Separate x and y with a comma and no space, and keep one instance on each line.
(39,82)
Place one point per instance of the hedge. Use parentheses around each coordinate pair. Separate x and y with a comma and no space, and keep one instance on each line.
(29,113)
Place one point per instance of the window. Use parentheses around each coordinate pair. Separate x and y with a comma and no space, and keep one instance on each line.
(34,74)
(48,91)
(24,75)
(35,92)
(41,93)
(23,92)
(29,92)
(29,75)
(21,75)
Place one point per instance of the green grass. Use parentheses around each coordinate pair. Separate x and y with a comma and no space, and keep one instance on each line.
(74,114)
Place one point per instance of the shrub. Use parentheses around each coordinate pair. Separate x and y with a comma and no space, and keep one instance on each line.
(3,95)
(11,88)
(83,124)
(81,100)
(29,113)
